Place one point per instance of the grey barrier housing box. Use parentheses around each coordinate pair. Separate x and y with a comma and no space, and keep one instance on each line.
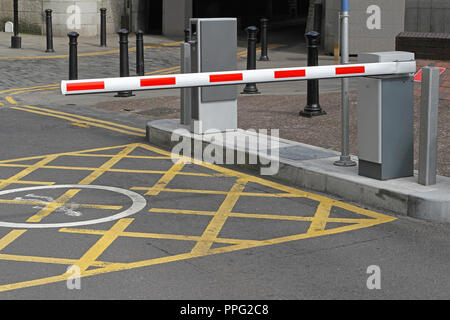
(385,120)
(213,48)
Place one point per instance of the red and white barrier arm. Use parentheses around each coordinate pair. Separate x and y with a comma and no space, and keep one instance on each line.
(234,77)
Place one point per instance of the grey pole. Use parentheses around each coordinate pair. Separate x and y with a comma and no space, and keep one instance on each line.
(345,160)
(428,126)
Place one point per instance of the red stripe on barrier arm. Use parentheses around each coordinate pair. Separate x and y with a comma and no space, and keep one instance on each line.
(158,82)
(226,77)
(290,74)
(83,86)
(350,70)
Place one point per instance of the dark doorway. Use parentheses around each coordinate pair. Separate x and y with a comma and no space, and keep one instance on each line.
(154,16)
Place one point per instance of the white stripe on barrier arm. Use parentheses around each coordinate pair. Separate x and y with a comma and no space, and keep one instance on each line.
(234,77)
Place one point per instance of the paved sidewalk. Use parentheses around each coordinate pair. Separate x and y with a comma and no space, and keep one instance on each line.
(276,107)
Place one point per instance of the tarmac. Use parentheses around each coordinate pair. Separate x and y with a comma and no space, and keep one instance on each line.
(204,231)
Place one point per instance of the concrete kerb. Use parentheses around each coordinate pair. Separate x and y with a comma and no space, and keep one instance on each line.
(312,167)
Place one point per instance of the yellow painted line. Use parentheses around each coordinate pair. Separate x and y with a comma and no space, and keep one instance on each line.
(194,174)
(108,164)
(10,100)
(219,219)
(26,88)
(89,54)
(13,257)
(103,243)
(162,70)
(243,194)
(69,194)
(63,154)
(28,182)
(82,125)
(320,217)
(86,118)
(259,216)
(81,205)
(166,178)
(49,208)
(26,171)
(33,90)
(111,155)
(10,237)
(180,237)
(74,120)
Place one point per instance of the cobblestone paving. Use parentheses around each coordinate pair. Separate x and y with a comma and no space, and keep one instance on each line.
(32,72)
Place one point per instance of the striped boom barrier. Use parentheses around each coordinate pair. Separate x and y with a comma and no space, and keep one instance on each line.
(187,80)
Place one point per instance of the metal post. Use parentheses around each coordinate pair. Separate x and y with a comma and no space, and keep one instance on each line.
(250,88)
(186,93)
(16,41)
(102,27)
(73,55)
(428,126)
(48,18)
(313,107)
(264,56)
(140,69)
(187,35)
(345,159)
(124,64)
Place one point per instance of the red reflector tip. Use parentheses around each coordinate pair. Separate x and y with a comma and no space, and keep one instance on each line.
(350,70)
(82,86)
(290,74)
(158,82)
(225,77)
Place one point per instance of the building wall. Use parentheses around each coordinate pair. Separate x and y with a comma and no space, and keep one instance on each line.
(32,15)
(176,15)
(363,39)
(428,16)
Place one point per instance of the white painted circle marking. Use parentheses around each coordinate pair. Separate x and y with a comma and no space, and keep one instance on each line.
(138,204)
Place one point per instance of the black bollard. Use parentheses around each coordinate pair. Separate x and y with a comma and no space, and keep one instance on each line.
(48,19)
(16,41)
(124,64)
(187,35)
(250,88)
(264,56)
(318,18)
(102,27)
(312,108)
(73,55)
(140,68)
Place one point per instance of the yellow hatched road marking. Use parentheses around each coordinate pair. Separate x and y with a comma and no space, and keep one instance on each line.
(203,242)
(52,206)
(181,237)
(166,178)
(104,242)
(259,216)
(320,218)
(219,219)
(81,205)
(10,237)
